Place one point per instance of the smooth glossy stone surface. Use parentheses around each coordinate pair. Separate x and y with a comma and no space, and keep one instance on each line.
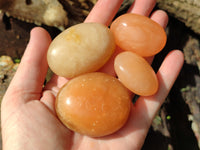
(93,104)
(136,74)
(138,34)
(82,48)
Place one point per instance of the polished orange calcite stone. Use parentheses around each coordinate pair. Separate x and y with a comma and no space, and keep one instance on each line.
(93,104)
(138,34)
(136,74)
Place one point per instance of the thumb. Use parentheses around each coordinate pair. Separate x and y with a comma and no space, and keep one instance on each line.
(28,81)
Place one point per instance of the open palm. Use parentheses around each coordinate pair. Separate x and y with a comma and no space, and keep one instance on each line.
(28,116)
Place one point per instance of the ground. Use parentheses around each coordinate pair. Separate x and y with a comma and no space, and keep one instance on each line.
(177,125)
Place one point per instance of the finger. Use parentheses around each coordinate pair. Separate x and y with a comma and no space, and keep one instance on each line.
(166,75)
(51,90)
(104,11)
(48,99)
(142,7)
(160,17)
(28,81)
(55,84)
(145,108)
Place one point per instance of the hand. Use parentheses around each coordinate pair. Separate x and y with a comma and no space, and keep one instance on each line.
(28,116)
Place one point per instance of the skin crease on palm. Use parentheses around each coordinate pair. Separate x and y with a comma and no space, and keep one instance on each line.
(28,117)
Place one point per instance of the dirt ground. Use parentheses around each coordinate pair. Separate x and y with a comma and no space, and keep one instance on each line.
(177,125)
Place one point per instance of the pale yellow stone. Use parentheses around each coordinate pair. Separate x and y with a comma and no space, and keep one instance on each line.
(82,48)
